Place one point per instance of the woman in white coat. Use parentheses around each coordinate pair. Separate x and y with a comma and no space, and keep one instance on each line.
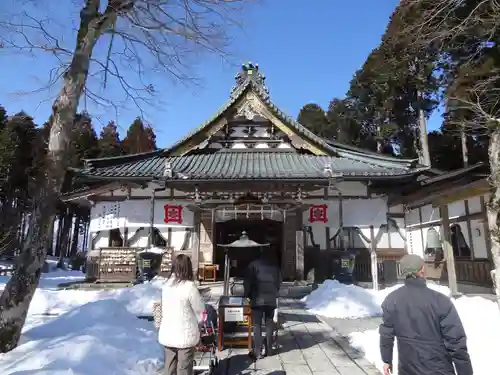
(182,312)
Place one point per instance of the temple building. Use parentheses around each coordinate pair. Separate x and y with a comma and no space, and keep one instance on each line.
(252,168)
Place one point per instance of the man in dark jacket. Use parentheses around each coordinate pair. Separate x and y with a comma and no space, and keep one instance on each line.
(262,283)
(431,338)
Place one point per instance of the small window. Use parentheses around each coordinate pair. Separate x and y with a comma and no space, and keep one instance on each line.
(460,247)
(352,238)
(157,239)
(115,238)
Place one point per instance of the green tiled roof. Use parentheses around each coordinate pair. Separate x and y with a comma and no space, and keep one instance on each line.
(332,147)
(237,165)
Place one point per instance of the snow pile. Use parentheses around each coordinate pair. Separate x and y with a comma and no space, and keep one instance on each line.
(51,280)
(139,299)
(48,300)
(154,250)
(97,338)
(481,320)
(335,300)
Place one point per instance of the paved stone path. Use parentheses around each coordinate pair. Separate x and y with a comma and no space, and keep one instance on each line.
(307,347)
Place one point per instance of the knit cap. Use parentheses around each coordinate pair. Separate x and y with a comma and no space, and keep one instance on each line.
(410,264)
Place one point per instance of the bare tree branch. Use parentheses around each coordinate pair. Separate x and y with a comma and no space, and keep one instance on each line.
(139,43)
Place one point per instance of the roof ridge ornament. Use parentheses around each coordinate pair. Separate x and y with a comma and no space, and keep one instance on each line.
(328,171)
(167,171)
(250,72)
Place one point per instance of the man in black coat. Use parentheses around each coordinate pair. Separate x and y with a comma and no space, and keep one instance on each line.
(262,284)
(431,337)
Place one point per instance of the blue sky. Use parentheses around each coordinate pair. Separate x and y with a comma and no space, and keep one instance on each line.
(308,54)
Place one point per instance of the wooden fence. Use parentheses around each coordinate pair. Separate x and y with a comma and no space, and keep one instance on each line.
(474,272)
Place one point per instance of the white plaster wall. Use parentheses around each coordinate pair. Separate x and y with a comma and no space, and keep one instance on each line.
(479,239)
(147,192)
(430,214)
(412,218)
(475,205)
(177,238)
(360,213)
(382,237)
(101,240)
(318,229)
(364,212)
(397,209)
(397,235)
(141,239)
(414,241)
(178,235)
(456,209)
(346,189)
(138,213)
(351,188)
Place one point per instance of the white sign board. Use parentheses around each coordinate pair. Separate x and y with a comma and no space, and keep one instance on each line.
(233,314)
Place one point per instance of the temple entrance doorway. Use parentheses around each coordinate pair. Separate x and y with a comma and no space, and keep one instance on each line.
(258,230)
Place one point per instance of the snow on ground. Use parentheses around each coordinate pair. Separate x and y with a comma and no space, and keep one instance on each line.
(86,332)
(336,300)
(100,337)
(480,317)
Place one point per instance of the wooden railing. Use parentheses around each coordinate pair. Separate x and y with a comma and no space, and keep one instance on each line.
(363,270)
(475,272)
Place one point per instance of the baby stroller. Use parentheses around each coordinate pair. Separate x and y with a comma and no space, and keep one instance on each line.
(206,359)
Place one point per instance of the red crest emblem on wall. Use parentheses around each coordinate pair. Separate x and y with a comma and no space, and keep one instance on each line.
(317,213)
(173,214)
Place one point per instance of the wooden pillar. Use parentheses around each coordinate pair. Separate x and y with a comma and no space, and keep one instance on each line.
(469,229)
(195,255)
(327,228)
(373,258)
(341,222)
(299,255)
(486,230)
(448,249)
(151,218)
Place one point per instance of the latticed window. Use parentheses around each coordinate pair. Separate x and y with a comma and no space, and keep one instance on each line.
(460,247)
(115,238)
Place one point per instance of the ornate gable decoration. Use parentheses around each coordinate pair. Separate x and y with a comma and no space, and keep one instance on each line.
(250,108)
(250,72)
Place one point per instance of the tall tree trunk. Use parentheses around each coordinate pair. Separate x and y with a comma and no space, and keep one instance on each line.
(493,208)
(59,236)
(465,151)
(425,158)
(18,293)
(74,240)
(65,234)
(50,242)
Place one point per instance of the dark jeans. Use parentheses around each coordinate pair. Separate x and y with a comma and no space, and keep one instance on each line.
(179,361)
(259,312)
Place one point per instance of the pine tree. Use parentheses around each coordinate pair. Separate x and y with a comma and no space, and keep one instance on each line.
(84,143)
(109,141)
(140,138)
(16,158)
(313,117)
